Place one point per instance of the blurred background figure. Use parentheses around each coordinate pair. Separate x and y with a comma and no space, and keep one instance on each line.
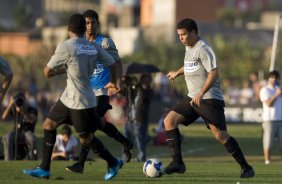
(66,145)
(270,96)
(136,128)
(21,142)
(5,70)
(159,131)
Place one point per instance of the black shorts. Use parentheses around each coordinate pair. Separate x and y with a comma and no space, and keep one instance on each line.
(103,105)
(210,110)
(84,121)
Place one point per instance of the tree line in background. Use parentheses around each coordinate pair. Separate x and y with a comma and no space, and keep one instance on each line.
(236,60)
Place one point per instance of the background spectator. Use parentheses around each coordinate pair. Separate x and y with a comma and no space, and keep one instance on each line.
(25,118)
(66,145)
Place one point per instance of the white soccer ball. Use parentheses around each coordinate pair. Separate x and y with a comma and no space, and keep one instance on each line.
(153,168)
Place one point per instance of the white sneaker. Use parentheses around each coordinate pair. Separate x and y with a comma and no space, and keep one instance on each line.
(267,162)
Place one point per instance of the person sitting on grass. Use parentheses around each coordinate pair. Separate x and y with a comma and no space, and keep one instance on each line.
(65,147)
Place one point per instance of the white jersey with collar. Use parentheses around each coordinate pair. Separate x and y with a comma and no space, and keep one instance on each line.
(198,61)
(80,58)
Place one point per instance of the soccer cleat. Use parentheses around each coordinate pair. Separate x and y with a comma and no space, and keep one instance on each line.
(247,172)
(127,152)
(37,172)
(112,171)
(75,168)
(175,168)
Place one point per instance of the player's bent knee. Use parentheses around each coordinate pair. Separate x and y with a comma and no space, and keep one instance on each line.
(49,124)
(85,139)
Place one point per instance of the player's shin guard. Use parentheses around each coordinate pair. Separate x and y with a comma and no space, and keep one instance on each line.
(48,145)
(98,148)
(174,142)
(233,148)
(113,132)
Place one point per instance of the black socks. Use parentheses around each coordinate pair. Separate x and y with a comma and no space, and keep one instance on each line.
(48,145)
(233,148)
(174,142)
(111,131)
(98,148)
(83,154)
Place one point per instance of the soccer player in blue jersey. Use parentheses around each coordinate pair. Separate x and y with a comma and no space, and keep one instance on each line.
(102,85)
(77,105)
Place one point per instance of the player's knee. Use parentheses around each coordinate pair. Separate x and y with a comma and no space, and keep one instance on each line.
(85,139)
(169,122)
(49,124)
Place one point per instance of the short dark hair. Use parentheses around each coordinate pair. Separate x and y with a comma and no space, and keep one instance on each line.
(188,24)
(77,24)
(273,73)
(66,130)
(92,14)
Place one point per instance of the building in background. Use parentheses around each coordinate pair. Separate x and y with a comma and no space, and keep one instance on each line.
(126,21)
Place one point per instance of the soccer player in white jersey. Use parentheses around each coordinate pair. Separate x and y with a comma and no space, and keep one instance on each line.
(77,57)
(6,71)
(100,81)
(204,100)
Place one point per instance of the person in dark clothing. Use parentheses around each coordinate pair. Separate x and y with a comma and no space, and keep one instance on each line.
(139,106)
(25,118)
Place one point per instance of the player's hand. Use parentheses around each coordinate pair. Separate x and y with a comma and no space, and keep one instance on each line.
(197,100)
(112,90)
(171,75)
(110,85)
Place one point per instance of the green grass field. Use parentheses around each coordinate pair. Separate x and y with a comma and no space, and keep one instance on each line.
(207,161)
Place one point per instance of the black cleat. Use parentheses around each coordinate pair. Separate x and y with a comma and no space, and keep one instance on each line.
(247,173)
(75,168)
(127,152)
(175,168)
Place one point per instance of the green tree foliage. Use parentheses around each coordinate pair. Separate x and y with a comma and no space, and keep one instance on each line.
(165,57)
(236,58)
(24,68)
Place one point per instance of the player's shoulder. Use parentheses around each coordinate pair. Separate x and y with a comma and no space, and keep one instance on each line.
(106,41)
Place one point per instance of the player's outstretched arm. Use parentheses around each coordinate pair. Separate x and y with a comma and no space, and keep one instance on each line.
(173,74)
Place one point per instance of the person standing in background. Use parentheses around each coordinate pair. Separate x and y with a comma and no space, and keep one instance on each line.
(270,96)
(136,129)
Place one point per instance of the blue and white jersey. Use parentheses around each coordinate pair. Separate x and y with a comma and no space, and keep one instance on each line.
(101,74)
